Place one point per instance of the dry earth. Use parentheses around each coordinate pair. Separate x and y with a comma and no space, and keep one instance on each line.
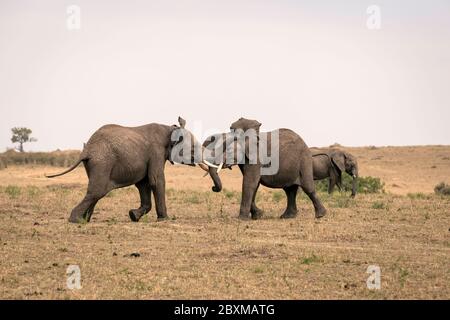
(203,251)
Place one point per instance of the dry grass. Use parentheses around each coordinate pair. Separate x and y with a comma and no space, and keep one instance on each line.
(205,252)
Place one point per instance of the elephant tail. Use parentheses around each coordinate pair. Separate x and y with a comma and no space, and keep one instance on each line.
(83,157)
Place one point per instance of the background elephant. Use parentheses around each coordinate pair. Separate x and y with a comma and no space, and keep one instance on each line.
(117,156)
(330,163)
(295,170)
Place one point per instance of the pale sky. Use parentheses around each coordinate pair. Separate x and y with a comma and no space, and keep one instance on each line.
(312,66)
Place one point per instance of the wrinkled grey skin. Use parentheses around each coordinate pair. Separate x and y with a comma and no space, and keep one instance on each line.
(117,156)
(330,163)
(295,170)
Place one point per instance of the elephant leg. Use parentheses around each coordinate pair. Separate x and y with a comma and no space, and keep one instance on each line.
(256,212)
(158,186)
(146,201)
(307,184)
(250,183)
(99,186)
(331,184)
(291,209)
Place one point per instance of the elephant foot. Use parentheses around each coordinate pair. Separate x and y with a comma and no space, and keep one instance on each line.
(137,214)
(321,212)
(162,218)
(257,214)
(244,217)
(77,218)
(289,214)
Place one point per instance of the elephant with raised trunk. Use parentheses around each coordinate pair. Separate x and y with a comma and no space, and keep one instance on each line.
(331,163)
(117,156)
(294,165)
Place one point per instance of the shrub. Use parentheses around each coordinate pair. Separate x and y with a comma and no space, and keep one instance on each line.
(442,189)
(365,184)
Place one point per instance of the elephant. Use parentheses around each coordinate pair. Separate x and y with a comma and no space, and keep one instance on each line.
(330,163)
(116,156)
(294,166)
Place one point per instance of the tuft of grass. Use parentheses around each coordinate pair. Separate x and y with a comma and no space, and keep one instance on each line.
(341,201)
(442,189)
(258,270)
(194,198)
(277,196)
(310,259)
(418,196)
(230,194)
(403,274)
(379,205)
(33,191)
(13,191)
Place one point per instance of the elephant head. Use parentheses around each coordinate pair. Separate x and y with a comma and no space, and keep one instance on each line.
(345,162)
(225,150)
(185,149)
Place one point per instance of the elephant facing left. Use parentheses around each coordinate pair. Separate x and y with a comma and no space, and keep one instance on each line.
(117,157)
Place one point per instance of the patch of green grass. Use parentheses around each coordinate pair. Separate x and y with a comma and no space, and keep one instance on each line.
(230,194)
(193,198)
(403,274)
(310,259)
(33,191)
(258,270)
(365,184)
(277,196)
(379,205)
(418,196)
(341,201)
(13,191)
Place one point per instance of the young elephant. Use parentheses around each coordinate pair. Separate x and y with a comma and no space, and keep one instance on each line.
(294,167)
(330,163)
(117,156)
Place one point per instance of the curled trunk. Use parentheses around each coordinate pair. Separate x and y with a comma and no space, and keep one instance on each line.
(216,179)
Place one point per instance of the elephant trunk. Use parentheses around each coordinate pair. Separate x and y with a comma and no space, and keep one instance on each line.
(216,179)
(354,183)
(213,171)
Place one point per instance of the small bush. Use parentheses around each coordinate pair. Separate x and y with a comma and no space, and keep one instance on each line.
(365,184)
(442,189)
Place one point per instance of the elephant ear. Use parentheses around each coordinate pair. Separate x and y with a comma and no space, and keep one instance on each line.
(182,122)
(338,159)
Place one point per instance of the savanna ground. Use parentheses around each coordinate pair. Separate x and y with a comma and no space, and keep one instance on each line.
(204,251)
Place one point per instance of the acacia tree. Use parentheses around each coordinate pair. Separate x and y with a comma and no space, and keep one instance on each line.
(21,135)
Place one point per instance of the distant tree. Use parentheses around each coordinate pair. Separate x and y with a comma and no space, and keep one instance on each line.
(21,136)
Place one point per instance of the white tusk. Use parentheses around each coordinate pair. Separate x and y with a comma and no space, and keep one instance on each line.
(220,167)
(209,164)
